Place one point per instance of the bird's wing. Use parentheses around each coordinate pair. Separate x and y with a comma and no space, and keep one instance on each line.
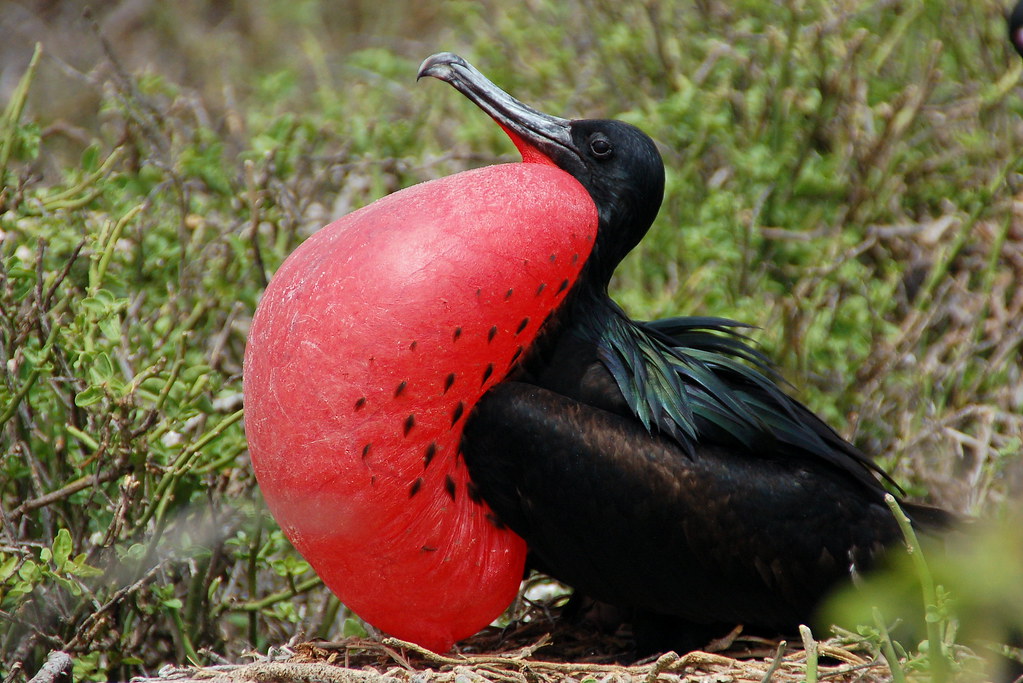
(700,382)
(624,516)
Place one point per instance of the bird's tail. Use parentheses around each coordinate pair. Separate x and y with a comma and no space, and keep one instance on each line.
(930,519)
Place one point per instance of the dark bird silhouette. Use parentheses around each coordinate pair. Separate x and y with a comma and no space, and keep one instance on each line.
(1015,19)
(659,466)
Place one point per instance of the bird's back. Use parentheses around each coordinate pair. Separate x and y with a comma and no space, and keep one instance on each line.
(720,531)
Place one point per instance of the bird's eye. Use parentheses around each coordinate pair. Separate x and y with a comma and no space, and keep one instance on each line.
(601,147)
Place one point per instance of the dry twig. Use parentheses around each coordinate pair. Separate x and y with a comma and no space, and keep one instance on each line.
(57,669)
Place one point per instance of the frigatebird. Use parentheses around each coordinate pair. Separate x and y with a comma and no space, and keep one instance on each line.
(1015,20)
(439,381)
(659,465)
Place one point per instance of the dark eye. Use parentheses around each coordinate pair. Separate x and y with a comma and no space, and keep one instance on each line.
(600,147)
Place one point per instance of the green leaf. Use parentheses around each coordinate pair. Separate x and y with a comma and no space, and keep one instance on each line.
(97,304)
(290,565)
(353,628)
(214,587)
(62,547)
(78,567)
(89,396)
(90,158)
(19,589)
(286,611)
(30,572)
(38,359)
(110,327)
(8,565)
(101,369)
(87,667)
(133,553)
(70,586)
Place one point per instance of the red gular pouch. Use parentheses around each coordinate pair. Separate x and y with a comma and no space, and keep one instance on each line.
(366,355)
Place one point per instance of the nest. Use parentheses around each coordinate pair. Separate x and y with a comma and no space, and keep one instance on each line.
(538,652)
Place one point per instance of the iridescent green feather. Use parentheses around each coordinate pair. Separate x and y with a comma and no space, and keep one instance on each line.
(698,380)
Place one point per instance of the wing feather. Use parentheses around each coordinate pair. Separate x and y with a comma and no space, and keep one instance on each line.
(699,378)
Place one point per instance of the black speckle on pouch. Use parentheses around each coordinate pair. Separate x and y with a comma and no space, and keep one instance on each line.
(459,409)
(474,493)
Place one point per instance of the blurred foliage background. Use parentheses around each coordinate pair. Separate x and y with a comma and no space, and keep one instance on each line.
(845,174)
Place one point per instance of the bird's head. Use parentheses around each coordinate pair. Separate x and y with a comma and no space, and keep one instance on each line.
(617,163)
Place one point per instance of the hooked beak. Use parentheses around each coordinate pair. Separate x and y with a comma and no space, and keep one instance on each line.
(539,137)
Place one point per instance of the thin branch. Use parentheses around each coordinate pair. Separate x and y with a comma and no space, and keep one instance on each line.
(57,669)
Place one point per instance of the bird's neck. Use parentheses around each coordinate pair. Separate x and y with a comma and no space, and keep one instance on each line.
(590,313)
(577,329)
(591,329)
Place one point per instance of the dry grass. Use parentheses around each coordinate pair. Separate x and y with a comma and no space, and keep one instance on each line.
(520,656)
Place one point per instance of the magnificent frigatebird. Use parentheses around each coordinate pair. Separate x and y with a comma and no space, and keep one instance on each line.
(658,465)
(439,380)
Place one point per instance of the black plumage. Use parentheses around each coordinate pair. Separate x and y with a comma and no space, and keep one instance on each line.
(1015,20)
(660,466)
